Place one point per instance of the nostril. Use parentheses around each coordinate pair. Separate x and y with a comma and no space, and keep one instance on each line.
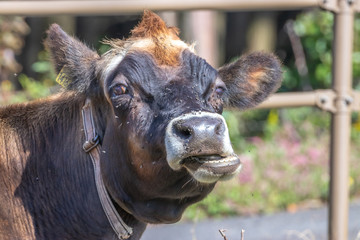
(182,131)
(219,128)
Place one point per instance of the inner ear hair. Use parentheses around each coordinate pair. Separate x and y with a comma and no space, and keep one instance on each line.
(72,58)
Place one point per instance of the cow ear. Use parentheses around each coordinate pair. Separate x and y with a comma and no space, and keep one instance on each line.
(72,59)
(251,79)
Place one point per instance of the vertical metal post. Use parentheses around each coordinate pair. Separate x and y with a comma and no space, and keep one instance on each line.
(203,29)
(341,121)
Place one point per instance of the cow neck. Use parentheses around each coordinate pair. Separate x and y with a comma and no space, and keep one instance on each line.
(92,147)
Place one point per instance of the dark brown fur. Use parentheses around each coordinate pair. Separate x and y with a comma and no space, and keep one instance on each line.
(41,158)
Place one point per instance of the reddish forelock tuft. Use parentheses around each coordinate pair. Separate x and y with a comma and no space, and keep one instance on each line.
(152,26)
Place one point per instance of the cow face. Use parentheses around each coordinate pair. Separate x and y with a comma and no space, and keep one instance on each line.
(164,141)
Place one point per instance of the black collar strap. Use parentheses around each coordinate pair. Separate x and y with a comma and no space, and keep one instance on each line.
(92,147)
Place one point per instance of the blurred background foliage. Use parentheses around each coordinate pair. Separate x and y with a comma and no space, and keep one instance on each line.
(285,152)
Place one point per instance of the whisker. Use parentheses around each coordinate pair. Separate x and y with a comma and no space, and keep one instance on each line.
(187,183)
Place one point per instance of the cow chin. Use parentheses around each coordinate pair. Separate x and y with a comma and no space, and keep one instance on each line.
(164,210)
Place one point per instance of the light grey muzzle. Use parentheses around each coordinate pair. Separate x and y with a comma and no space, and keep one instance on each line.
(200,142)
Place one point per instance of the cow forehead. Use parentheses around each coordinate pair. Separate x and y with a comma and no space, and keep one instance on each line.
(162,48)
(166,53)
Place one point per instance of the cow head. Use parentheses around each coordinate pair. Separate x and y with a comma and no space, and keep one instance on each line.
(158,112)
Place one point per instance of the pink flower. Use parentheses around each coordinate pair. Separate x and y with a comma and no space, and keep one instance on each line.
(291,148)
(300,160)
(314,154)
(256,141)
(246,174)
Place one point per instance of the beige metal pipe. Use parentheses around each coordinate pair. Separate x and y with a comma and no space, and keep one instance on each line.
(114,7)
(294,99)
(341,120)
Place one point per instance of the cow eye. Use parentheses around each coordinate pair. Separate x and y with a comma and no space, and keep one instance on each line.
(220,88)
(118,90)
(220,91)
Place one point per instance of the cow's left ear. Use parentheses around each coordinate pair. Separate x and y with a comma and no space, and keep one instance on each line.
(251,79)
(75,62)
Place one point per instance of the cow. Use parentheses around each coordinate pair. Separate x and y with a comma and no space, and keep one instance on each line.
(134,137)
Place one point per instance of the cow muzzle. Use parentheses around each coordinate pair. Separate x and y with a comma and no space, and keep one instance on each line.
(200,143)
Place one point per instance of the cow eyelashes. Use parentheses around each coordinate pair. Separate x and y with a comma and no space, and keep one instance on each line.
(220,88)
(220,91)
(119,89)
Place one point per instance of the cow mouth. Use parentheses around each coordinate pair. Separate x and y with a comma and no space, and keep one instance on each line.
(211,168)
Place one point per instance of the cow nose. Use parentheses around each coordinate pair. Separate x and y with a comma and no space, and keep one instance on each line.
(199,130)
(196,134)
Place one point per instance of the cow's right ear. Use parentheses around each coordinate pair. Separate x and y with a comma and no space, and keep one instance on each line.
(72,58)
(251,79)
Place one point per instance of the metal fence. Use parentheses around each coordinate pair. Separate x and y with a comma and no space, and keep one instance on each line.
(341,100)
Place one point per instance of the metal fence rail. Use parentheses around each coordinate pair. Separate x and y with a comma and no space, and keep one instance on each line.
(109,7)
(341,100)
